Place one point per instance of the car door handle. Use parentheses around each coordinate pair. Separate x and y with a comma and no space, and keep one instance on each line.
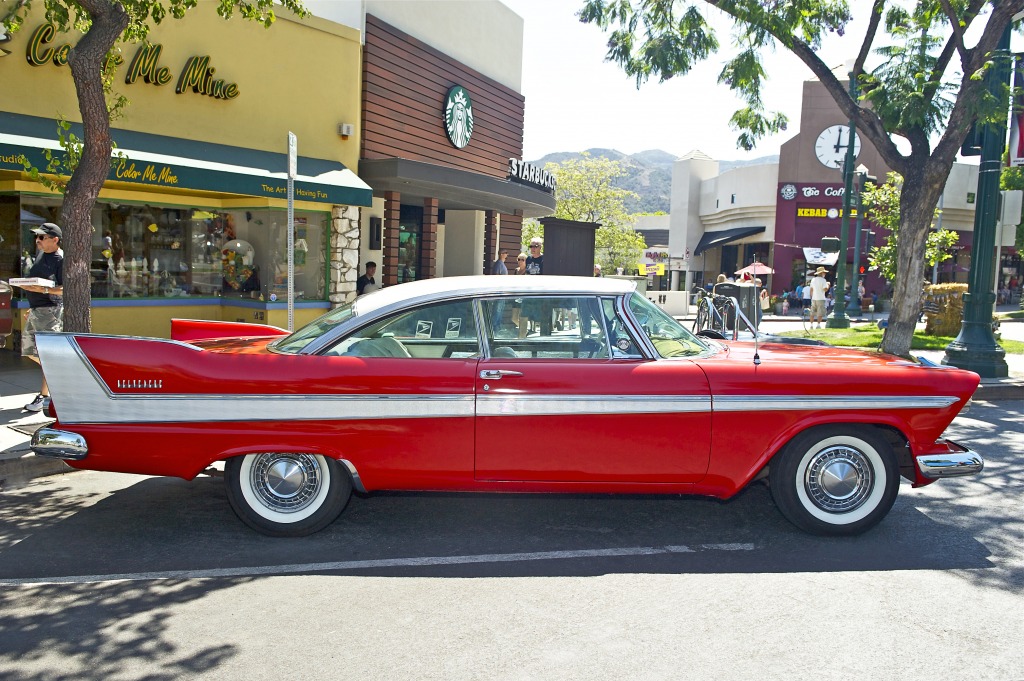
(498,373)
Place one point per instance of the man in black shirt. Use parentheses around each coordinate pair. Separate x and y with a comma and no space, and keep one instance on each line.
(46,306)
(367,283)
(535,261)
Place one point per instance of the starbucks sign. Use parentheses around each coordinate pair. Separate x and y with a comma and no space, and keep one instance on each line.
(458,116)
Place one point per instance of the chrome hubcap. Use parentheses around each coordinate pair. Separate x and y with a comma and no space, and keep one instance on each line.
(838,479)
(286,483)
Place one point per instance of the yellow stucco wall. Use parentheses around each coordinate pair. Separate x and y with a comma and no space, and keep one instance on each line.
(300,75)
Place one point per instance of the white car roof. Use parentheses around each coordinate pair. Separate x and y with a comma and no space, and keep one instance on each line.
(447,287)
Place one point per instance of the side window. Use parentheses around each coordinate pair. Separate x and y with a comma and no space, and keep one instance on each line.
(441,330)
(546,327)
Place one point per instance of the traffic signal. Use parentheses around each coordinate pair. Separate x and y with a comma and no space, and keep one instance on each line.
(862,269)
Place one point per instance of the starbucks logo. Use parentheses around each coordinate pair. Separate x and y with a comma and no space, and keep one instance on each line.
(458,116)
(788,192)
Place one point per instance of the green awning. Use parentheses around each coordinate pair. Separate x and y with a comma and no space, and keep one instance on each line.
(318,180)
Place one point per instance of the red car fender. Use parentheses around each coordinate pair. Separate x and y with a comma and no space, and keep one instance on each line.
(187,330)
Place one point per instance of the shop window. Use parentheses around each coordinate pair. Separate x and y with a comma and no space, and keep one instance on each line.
(145,251)
(11,260)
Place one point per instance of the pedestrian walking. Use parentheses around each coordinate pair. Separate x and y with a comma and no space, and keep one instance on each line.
(46,303)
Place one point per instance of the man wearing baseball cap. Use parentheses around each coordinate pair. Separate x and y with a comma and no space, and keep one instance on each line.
(46,303)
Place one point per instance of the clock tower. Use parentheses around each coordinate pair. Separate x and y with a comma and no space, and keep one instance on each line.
(809,202)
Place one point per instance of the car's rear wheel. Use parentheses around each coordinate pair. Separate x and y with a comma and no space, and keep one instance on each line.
(835,480)
(285,494)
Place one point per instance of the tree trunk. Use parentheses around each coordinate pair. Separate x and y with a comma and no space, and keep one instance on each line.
(86,61)
(920,194)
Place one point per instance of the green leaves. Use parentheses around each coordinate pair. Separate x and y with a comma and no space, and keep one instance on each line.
(882,206)
(586,192)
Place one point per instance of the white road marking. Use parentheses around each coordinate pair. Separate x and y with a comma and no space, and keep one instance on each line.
(380,563)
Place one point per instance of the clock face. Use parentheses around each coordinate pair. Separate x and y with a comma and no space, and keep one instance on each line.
(830,147)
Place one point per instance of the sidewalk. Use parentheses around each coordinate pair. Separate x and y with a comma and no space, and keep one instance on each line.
(20,380)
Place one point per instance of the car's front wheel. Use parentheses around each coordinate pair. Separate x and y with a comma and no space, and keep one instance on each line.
(284,494)
(835,480)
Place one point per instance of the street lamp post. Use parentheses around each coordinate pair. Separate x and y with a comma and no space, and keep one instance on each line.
(975,348)
(854,308)
(839,320)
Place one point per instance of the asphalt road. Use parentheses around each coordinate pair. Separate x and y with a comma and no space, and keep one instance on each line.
(106,576)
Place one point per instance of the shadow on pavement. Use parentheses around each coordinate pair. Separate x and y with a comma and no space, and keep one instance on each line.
(160,525)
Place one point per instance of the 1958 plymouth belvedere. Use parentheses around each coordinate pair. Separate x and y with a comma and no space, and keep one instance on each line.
(429,385)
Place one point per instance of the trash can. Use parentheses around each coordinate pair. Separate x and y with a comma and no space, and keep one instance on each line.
(747,297)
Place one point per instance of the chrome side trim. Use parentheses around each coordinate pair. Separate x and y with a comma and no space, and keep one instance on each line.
(357,484)
(214,408)
(830,402)
(59,444)
(950,465)
(513,404)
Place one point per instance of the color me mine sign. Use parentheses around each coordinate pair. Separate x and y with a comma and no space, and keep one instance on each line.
(196,75)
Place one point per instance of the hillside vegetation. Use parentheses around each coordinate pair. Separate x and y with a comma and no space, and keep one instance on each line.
(648,173)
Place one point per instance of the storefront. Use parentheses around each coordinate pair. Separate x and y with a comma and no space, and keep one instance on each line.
(809,212)
(442,150)
(192,221)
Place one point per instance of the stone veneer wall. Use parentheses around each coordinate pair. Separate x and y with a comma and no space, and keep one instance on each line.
(344,254)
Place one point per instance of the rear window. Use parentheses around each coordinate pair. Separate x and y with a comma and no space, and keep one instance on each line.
(294,343)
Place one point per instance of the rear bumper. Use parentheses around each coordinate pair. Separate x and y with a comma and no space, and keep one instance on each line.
(957,461)
(59,444)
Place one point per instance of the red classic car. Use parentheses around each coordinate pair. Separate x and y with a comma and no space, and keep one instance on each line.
(430,386)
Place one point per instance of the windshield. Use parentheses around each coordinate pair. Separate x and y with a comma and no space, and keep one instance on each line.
(294,343)
(669,337)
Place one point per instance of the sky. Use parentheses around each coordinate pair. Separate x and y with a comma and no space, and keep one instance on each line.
(575,100)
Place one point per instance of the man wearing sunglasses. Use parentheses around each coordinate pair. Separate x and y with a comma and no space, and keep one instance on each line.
(46,306)
(535,261)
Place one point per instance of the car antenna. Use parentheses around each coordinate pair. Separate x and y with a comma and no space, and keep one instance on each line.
(757,357)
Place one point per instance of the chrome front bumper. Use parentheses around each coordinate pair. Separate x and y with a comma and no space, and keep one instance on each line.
(59,444)
(957,461)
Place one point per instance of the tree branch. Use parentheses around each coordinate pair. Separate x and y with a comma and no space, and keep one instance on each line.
(954,45)
(957,39)
(866,120)
(869,36)
(970,88)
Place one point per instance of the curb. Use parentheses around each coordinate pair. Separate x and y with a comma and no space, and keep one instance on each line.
(992,392)
(18,471)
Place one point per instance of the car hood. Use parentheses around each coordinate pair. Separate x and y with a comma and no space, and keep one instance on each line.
(826,370)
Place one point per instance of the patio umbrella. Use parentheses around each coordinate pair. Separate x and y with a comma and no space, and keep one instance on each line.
(756,269)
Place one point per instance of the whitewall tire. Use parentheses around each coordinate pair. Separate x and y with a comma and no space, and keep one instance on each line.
(835,480)
(287,494)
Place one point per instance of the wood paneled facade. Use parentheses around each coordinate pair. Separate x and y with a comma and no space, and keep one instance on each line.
(406,154)
(404,86)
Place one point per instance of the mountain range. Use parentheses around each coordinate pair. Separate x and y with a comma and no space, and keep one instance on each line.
(648,174)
